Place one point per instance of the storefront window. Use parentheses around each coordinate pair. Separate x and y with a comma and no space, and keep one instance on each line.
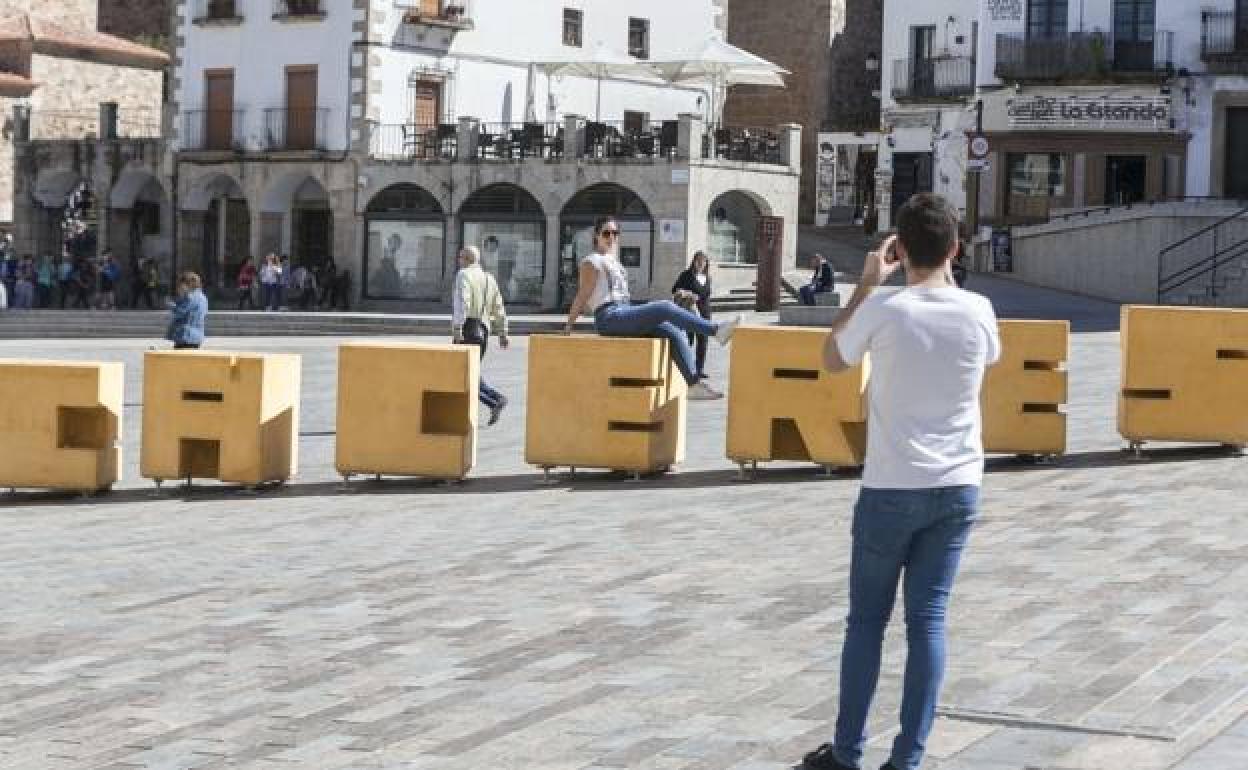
(732,229)
(507,224)
(1034,180)
(577,228)
(406,244)
(514,253)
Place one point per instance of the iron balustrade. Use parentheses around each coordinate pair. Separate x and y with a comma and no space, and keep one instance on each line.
(520,140)
(941,78)
(1224,43)
(413,141)
(212,130)
(1082,56)
(295,129)
(746,145)
(217,10)
(1200,255)
(298,8)
(625,139)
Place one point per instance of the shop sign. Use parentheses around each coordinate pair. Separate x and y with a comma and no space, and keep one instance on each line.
(1111,113)
(1005,10)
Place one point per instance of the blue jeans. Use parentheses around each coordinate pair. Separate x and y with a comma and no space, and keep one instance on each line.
(664,320)
(477,334)
(272,296)
(920,532)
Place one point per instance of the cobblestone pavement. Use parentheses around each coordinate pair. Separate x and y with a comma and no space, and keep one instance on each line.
(684,622)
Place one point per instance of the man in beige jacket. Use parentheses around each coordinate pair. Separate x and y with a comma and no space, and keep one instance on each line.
(478,311)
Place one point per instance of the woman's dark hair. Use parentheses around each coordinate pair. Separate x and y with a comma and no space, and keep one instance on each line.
(693,261)
(928,228)
(600,223)
(190,280)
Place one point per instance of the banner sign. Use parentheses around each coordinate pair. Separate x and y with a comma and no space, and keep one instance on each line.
(1084,112)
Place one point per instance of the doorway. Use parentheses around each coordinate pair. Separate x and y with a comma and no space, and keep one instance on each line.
(1235,182)
(912,174)
(1126,179)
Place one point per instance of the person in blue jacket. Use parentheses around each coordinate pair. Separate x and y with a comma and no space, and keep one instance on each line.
(188,314)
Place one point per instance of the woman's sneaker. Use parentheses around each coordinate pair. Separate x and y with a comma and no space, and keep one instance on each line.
(703,392)
(723,335)
(822,759)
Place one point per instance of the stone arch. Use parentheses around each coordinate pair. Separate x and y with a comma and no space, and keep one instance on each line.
(732,226)
(576,220)
(295,218)
(54,186)
(209,187)
(507,224)
(405,246)
(133,185)
(215,225)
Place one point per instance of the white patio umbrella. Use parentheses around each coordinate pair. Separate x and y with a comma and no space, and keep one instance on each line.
(720,65)
(603,62)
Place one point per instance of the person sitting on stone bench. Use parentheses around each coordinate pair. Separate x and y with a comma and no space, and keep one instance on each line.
(822,282)
(604,291)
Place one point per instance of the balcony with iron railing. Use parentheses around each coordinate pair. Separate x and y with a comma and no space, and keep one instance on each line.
(940,79)
(574,139)
(295,129)
(212,130)
(217,12)
(451,14)
(1085,57)
(1223,43)
(299,10)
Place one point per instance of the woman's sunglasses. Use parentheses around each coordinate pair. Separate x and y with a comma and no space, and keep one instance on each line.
(609,233)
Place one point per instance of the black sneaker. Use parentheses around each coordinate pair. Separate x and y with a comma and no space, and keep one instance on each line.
(496,412)
(822,759)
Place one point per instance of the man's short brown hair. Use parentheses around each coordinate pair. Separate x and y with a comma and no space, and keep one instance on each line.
(927,226)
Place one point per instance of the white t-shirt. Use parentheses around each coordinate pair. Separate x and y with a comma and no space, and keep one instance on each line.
(929,348)
(612,283)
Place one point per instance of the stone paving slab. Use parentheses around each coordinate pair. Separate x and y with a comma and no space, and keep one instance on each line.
(687,621)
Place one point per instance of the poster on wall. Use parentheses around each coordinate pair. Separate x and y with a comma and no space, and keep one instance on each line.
(1004,10)
(672,231)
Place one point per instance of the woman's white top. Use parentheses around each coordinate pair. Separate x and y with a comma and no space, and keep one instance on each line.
(612,283)
(270,273)
(701,277)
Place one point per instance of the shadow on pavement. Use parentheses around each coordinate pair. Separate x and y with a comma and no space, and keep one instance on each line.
(582,481)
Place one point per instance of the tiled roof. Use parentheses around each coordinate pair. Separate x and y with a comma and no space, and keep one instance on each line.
(14,86)
(48,37)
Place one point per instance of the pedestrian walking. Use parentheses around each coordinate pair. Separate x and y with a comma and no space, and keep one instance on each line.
(271,282)
(603,291)
(247,284)
(477,311)
(45,278)
(145,284)
(8,271)
(83,283)
(821,282)
(24,288)
(306,288)
(65,278)
(692,291)
(929,344)
(110,274)
(329,284)
(189,313)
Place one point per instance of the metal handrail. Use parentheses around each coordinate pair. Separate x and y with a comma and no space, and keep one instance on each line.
(1171,282)
(1206,266)
(1193,236)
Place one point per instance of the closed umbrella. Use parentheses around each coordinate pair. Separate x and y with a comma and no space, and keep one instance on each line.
(602,63)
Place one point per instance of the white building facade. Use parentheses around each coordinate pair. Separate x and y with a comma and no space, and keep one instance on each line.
(1084,104)
(383,134)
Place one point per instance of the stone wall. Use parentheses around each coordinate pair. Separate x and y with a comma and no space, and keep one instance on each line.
(74,14)
(145,20)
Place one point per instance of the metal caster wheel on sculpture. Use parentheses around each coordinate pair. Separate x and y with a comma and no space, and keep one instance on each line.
(746,470)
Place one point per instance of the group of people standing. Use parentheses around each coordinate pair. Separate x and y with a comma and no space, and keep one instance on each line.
(282,286)
(80,283)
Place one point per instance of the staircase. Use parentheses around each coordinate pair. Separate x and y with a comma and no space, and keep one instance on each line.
(742,300)
(1208,267)
(41,324)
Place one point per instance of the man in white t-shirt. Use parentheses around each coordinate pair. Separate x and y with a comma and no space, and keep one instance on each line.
(929,344)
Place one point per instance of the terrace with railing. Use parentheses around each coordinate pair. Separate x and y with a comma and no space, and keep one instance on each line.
(297,129)
(454,14)
(573,139)
(947,77)
(1223,43)
(1084,57)
(212,130)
